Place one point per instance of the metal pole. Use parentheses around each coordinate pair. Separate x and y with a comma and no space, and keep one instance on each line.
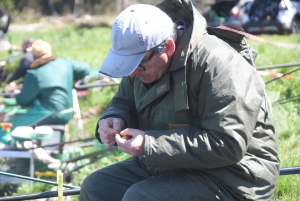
(11,59)
(79,167)
(78,125)
(64,143)
(99,84)
(290,170)
(34,179)
(47,194)
(102,151)
(287,100)
(276,78)
(278,66)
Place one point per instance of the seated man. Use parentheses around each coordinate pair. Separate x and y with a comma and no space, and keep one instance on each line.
(47,88)
(190,110)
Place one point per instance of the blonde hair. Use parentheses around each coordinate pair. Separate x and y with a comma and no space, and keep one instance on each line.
(41,48)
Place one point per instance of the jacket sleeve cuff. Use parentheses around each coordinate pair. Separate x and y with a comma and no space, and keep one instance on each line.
(147,148)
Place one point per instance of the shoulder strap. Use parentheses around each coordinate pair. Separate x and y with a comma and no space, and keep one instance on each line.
(236,41)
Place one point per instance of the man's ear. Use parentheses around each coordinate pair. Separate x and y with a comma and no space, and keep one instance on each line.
(170,47)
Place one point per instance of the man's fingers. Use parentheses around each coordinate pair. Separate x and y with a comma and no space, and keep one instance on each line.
(123,143)
(118,124)
(110,144)
(126,135)
(108,141)
(105,126)
(119,139)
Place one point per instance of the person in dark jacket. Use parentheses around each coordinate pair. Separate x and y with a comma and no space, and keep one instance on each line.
(190,110)
(27,59)
(5,19)
(47,88)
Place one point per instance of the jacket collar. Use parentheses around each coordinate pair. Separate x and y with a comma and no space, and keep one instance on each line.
(184,9)
(42,61)
(145,96)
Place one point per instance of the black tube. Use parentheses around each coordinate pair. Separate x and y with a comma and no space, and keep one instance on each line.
(102,151)
(276,78)
(290,170)
(278,66)
(92,161)
(12,58)
(287,100)
(99,84)
(35,179)
(66,142)
(47,194)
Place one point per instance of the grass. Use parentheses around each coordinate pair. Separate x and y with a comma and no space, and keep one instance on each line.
(285,116)
(91,43)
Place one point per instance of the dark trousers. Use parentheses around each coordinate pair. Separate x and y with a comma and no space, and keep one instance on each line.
(131,180)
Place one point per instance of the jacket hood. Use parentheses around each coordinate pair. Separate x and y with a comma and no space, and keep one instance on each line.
(184,10)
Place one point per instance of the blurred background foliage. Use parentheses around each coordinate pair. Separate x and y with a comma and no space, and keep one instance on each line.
(32,9)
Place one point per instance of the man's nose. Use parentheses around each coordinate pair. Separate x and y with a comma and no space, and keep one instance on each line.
(134,73)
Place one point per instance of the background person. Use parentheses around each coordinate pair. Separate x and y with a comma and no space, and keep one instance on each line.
(20,71)
(5,20)
(193,116)
(47,87)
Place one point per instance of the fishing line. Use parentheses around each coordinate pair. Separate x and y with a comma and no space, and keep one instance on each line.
(290,99)
(282,76)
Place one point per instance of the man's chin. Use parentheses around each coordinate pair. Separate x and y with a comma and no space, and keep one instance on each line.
(145,80)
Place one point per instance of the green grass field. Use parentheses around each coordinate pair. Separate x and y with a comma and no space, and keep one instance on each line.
(91,43)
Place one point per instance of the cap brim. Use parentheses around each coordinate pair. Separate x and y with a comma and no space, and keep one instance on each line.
(116,65)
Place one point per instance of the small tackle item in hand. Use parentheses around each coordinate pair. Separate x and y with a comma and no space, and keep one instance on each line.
(123,136)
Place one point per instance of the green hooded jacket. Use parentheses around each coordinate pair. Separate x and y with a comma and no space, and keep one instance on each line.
(49,87)
(208,112)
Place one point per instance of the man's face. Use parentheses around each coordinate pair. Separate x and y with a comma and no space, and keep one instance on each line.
(155,68)
(25,45)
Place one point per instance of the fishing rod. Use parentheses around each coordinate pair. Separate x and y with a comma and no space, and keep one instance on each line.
(47,194)
(63,143)
(35,179)
(102,151)
(276,78)
(290,170)
(101,81)
(99,84)
(50,194)
(278,66)
(287,100)
(6,94)
(11,59)
(66,174)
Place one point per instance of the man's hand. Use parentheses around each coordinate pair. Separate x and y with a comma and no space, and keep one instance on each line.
(131,141)
(108,128)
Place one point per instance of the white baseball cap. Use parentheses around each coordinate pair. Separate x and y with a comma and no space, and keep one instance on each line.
(137,29)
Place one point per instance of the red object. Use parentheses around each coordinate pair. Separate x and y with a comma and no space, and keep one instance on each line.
(81,93)
(274,74)
(6,126)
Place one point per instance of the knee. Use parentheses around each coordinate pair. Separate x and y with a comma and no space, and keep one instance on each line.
(136,192)
(85,182)
(89,190)
(92,180)
(131,193)
(84,194)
